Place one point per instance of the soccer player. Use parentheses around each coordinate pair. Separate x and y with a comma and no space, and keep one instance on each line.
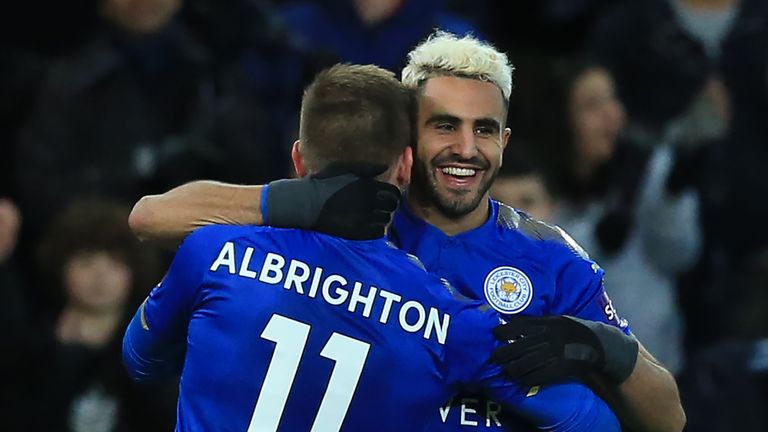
(529,271)
(297,330)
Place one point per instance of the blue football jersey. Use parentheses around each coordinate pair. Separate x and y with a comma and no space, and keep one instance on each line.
(277,329)
(517,265)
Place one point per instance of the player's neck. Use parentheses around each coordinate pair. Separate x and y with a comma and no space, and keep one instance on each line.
(448,224)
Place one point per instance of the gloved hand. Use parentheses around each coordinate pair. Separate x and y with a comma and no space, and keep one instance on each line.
(343,200)
(688,169)
(613,229)
(543,350)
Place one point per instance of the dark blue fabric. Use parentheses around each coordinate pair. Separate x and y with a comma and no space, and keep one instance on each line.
(230,300)
(333,26)
(552,276)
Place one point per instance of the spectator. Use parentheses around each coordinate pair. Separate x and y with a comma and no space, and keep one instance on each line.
(520,184)
(538,26)
(253,51)
(377,32)
(139,108)
(20,76)
(695,71)
(725,388)
(14,322)
(616,203)
(93,262)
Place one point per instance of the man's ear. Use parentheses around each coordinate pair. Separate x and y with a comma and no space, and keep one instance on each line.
(404,165)
(504,141)
(298,161)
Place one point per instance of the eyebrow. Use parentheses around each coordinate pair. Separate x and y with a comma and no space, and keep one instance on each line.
(443,118)
(489,123)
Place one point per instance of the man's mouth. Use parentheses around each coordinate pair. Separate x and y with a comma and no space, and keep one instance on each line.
(459,172)
(458,177)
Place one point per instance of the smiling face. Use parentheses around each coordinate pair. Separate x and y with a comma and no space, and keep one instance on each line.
(460,142)
(597,116)
(97,281)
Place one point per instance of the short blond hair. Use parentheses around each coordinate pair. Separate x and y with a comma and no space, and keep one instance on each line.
(445,54)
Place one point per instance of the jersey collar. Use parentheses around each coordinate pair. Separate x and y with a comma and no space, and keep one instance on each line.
(406,221)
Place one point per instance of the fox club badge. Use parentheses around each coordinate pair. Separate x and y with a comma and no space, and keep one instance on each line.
(508,290)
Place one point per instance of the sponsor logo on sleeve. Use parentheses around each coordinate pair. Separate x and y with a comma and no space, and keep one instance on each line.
(610,312)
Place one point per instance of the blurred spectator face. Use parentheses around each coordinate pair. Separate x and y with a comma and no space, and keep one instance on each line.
(97,281)
(527,193)
(10,222)
(596,114)
(372,12)
(140,16)
(461,139)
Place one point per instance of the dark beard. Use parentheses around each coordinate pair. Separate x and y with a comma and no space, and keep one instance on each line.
(426,184)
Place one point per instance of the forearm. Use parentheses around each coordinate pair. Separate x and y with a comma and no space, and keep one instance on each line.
(170,217)
(146,357)
(648,401)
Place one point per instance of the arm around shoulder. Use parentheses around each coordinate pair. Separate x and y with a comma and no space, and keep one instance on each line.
(171,216)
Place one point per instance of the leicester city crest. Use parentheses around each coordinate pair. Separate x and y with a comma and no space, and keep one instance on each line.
(508,290)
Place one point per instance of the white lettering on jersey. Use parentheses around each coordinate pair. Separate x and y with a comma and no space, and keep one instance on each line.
(444,410)
(315,282)
(274,264)
(293,278)
(389,298)
(434,324)
(492,411)
(470,406)
(226,257)
(412,316)
(357,298)
(342,294)
(467,410)
(420,313)
(244,271)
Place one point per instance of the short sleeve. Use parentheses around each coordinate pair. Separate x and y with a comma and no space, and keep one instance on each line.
(580,290)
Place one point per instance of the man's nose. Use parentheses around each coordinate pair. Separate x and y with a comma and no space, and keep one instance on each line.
(466,144)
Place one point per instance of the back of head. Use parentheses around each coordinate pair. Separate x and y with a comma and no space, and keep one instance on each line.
(445,54)
(355,113)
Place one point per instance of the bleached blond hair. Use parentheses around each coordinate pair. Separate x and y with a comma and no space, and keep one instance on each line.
(445,54)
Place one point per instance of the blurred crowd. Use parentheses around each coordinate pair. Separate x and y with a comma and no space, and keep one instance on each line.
(639,126)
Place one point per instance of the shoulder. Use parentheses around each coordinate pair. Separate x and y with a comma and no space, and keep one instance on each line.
(539,233)
(214,232)
(211,236)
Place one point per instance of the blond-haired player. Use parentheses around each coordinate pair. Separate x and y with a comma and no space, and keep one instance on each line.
(564,325)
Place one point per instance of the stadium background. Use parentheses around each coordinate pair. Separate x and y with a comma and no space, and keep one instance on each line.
(103,101)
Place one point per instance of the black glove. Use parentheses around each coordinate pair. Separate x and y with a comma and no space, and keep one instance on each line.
(543,350)
(343,200)
(613,230)
(689,167)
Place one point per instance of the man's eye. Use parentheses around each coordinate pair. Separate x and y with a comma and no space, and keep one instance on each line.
(447,127)
(483,131)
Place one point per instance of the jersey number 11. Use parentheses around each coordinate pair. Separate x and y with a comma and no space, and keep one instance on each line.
(290,338)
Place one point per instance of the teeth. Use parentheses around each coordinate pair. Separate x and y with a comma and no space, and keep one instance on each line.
(459,172)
